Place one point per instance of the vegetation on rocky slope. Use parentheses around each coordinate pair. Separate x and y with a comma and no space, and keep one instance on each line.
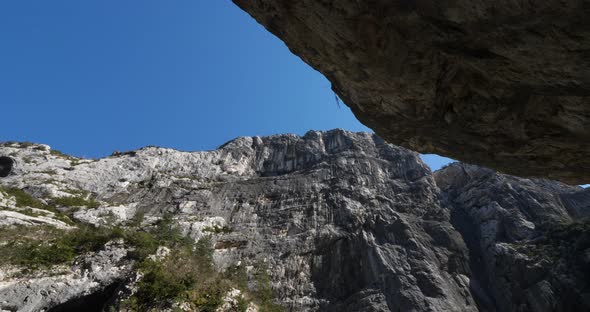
(75,201)
(44,246)
(188,276)
(567,244)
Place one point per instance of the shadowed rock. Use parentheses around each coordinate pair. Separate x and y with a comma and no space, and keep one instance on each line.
(503,84)
(6,164)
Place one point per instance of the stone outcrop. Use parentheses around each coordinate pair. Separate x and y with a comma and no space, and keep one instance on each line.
(343,221)
(513,228)
(79,288)
(503,84)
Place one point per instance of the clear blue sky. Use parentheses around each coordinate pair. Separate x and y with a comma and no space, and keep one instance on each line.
(91,77)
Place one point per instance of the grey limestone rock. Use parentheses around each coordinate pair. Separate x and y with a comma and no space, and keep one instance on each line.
(92,274)
(503,220)
(342,221)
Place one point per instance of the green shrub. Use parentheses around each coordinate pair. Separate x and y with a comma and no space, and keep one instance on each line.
(239,275)
(26,144)
(34,254)
(208,296)
(89,238)
(188,275)
(263,294)
(164,233)
(160,284)
(243,304)
(168,234)
(137,220)
(144,244)
(218,229)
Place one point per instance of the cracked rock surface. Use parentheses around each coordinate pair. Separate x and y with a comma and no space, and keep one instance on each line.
(502,84)
(344,222)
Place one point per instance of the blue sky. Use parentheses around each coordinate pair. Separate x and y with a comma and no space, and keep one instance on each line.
(91,77)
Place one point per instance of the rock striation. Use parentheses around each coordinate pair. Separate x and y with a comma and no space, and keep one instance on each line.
(526,252)
(502,84)
(343,222)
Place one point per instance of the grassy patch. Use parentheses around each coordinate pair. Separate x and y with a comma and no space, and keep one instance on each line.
(58,153)
(30,212)
(45,246)
(75,201)
(26,211)
(26,144)
(23,199)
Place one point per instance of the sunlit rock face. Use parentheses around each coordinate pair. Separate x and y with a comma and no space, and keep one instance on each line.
(344,222)
(503,84)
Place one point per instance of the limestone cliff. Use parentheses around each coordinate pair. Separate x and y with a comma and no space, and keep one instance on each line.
(340,221)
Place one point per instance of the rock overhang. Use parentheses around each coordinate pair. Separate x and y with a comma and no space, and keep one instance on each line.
(499,84)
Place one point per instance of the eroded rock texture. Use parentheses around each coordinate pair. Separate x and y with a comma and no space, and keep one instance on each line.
(521,253)
(344,221)
(503,84)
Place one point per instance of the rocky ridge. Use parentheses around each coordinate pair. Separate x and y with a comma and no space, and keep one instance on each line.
(340,221)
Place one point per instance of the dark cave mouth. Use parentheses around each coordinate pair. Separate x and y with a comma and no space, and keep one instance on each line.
(6,165)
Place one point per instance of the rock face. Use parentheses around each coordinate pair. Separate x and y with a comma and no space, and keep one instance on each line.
(503,84)
(343,221)
(519,258)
